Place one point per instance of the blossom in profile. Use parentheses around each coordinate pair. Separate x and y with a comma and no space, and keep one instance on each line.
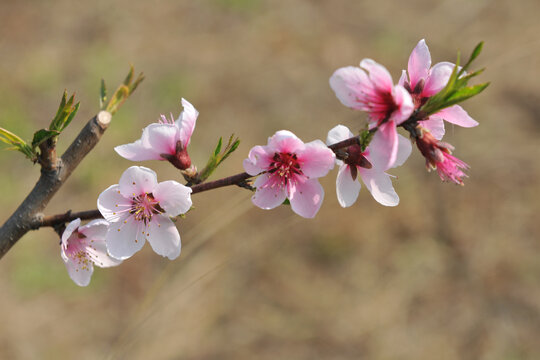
(370,88)
(138,209)
(439,157)
(423,81)
(289,169)
(363,164)
(165,140)
(82,247)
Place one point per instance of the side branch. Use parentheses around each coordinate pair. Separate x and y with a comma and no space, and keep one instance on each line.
(26,215)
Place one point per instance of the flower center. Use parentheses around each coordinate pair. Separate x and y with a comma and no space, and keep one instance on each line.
(144,206)
(76,250)
(285,166)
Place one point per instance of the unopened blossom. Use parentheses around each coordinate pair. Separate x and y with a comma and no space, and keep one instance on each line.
(165,140)
(439,156)
(363,164)
(83,247)
(423,81)
(139,208)
(289,169)
(370,88)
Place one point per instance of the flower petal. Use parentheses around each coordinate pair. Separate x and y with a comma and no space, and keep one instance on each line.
(435,125)
(79,273)
(284,141)
(164,238)
(307,199)
(404,102)
(136,151)
(337,134)
(346,83)
(419,63)
(404,150)
(347,189)
(403,79)
(267,196)
(95,229)
(161,138)
(316,159)
(380,186)
(173,197)
(70,228)
(378,74)
(456,115)
(137,180)
(96,232)
(125,238)
(258,160)
(437,78)
(186,122)
(384,146)
(112,204)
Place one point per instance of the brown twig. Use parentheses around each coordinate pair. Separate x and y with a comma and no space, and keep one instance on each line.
(26,215)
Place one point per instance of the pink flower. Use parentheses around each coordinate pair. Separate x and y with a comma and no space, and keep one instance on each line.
(289,169)
(370,88)
(138,209)
(165,140)
(438,156)
(371,169)
(83,247)
(423,81)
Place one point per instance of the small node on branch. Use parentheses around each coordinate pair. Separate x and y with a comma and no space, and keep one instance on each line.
(103,118)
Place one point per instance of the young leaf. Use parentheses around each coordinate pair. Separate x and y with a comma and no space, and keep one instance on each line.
(17,144)
(102,95)
(43,135)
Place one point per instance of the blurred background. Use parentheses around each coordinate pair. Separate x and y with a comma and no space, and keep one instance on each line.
(451,273)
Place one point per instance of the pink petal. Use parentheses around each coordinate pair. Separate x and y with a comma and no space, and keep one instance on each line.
(347,189)
(419,63)
(99,255)
(136,151)
(125,238)
(70,228)
(173,197)
(384,146)
(403,79)
(137,180)
(95,229)
(112,204)
(266,196)
(405,104)
(404,150)
(316,159)
(378,74)
(79,275)
(346,83)
(258,160)
(337,134)
(437,78)
(161,138)
(284,141)
(380,186)
(456,115)
(435,125)
(307,199)
(186,122)
(164,238)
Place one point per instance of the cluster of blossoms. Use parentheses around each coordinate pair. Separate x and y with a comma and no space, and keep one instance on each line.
(139,209)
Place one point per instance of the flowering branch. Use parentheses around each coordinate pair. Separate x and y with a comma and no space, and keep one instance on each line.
(55,171)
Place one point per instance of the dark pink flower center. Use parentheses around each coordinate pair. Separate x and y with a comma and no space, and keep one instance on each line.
(285,166)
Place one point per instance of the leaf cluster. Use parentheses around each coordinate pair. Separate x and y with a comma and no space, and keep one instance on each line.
(218,156)
(457,89)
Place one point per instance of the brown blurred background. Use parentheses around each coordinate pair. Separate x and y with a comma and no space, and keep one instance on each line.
(451,273)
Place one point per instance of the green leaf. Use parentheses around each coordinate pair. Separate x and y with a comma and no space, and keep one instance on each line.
(17,144)
(218,147)
(102,95)
(466,93)
(43,135)
(477,50)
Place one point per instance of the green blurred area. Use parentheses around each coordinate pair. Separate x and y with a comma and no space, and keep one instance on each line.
(451,273)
